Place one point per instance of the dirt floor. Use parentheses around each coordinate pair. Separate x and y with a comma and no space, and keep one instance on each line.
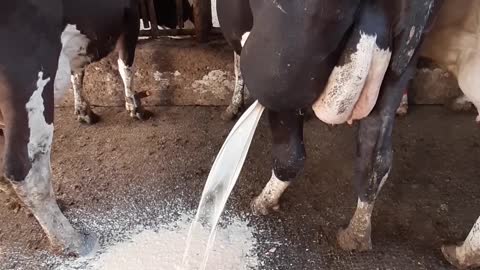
(431,196)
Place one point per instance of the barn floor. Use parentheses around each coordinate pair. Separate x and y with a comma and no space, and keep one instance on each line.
(431,196)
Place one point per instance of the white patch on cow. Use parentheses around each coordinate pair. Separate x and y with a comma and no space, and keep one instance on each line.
(411,35)
(275,2)
(346,83)
(270,196)
(127,77)
(244,38)
(368,98)
(215,22)
(382,182)
(73,57)
(36,190)
(41,133)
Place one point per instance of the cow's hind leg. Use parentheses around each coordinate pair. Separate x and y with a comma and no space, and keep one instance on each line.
(467,254)
(83,110)
(373,160)
(126,49)
(28,139)
(238,97)
(288,158)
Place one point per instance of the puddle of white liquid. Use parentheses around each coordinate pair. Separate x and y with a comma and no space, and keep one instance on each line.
(220,182)
(162,249)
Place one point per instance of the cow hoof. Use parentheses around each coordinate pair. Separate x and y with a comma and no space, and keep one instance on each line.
(229,114)
(349,241)
(451,255)
(88,244)
(141,114)
(90,118)
(261,207)
(402,110)
(459,105)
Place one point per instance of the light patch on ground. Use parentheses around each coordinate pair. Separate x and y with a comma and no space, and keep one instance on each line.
(214,83)
(151,236)
(163,249)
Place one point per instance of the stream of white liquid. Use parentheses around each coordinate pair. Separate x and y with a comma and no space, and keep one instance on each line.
(222,179)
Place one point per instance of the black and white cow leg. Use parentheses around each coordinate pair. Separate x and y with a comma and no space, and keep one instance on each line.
(467,254)
(373,160)
(238,97)
(28,139)
(126,46)
(288,158)
(83,110)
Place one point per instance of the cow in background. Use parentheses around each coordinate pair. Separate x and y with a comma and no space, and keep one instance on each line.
(121,34)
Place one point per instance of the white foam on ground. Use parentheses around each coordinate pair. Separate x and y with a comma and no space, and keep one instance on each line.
(146,235)
(163,249)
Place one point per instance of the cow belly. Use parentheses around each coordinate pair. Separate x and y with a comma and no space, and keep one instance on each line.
(352,89)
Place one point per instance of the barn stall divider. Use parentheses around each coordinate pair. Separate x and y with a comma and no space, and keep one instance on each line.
(202,16)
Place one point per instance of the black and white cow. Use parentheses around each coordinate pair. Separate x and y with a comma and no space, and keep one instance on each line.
(348,60)
(45,43)
(121,34)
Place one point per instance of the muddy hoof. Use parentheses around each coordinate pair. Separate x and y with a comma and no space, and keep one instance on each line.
(351,242)
(88,244)
(89,118)
(229,114)
(450,254)
(262,207)
(141,114)
(459,106)
(402,110)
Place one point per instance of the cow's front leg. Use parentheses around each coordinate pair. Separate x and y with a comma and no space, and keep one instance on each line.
(288,158)
(373,160)
(126,45)
(238,97)
(467,254)
(28,139)
(83,111)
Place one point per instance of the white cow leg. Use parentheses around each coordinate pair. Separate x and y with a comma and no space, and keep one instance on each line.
(133,102)
(27,168)
(288,158)
(36,192)
(238,92)
(467,254)
(83,110)
(269,198)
